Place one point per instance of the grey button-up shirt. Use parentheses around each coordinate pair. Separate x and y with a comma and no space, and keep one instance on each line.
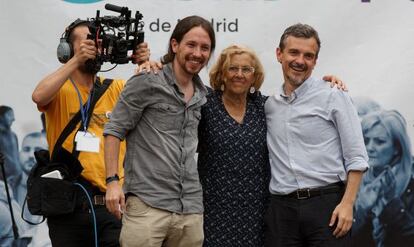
(314,137)
(161,134)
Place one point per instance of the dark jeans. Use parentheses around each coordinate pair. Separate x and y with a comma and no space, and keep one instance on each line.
(76,229)
(293,222)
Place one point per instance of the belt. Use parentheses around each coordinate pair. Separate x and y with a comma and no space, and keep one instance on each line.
(97,196)
(98,200)
(307,193)
(83,205)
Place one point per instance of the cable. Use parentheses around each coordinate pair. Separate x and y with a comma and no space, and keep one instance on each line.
(109,69)
(93,212)
(27,220)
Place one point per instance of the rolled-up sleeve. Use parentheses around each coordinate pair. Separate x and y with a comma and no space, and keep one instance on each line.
(128,110)
(346,119)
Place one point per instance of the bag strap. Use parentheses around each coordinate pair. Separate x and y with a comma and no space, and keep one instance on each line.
(99,91)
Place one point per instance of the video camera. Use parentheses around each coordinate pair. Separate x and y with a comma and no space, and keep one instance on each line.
(114,36)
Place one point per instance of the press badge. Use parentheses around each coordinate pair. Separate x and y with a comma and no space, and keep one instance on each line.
(87,142)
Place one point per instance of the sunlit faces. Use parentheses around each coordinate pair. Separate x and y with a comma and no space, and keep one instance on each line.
(31,143)
(193,52)
(380,147)
(298,59)
(239,74)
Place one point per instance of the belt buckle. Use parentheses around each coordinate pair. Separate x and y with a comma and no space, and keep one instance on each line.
(99,200)
(303,193)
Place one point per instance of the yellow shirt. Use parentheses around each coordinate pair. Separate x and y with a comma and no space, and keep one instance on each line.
(64,106)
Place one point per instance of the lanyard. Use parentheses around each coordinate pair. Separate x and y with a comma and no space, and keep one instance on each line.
(83,109)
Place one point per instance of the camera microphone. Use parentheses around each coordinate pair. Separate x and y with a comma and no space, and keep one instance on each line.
(122,10)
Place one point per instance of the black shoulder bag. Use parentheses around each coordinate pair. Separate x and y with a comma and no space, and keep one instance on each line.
(52,196)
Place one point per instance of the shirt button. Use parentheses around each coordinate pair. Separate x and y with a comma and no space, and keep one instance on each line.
(402,210)
(408,190)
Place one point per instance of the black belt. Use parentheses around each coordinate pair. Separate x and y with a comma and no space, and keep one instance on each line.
(307,193)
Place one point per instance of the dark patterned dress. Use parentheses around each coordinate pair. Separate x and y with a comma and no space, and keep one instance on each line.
(234,171)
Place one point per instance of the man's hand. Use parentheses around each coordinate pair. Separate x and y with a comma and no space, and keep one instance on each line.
(142,53)
(87,50)
(343,216)
(115,199)
(335,81)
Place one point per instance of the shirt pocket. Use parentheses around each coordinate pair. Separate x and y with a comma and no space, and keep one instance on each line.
(314,130)
(164,117)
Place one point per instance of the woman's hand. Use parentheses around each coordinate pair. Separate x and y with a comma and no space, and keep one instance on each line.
(335,81)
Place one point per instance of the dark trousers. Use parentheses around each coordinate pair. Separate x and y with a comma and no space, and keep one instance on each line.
(76,229)
(293,222)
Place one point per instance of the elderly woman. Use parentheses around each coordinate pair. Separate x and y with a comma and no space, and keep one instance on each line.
(384,213)
(233,158)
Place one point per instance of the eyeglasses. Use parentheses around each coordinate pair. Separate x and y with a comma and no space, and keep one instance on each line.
(246,70)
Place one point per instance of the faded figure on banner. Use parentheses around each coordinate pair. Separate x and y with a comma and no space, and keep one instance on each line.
(365,105)
(9,145)
(6,226)
(8,203)
(384,211)
(32,142)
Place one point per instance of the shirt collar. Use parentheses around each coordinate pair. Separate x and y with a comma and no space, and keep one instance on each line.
(298,92)
(301,90)
(199,89)
(169,74)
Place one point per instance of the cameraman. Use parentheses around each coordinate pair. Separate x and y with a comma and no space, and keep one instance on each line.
(60,95)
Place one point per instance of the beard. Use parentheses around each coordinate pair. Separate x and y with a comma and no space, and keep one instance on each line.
(200,62)
(297,80)
(28,165)
(91,67)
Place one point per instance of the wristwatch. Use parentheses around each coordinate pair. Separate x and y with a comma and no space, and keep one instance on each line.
(112,178)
